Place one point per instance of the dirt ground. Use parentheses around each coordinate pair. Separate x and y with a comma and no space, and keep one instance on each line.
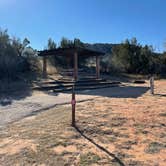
(32,104)
(124,128)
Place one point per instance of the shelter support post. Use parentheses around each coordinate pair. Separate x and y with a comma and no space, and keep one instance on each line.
(73,102)
(75,66)
(44,67)
(97,67)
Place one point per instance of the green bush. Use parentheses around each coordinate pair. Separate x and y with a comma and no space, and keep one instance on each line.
(12,62)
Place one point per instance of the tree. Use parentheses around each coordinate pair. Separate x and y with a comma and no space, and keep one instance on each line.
(131,57)
(133,41)
(20,46)
(57,60)
(66,43)
(51,44)
(16,42)
(78,43)
(25,43)
(9,59)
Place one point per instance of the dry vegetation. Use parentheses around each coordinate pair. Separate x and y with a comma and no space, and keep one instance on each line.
(110,131)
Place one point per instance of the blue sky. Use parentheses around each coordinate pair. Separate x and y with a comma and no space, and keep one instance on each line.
(92,21)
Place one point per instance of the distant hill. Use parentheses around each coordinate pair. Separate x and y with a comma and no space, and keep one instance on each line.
(101,47)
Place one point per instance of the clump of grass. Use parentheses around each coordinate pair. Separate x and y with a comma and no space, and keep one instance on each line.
(112,139)
(118,121)
(130,142)
(89,158)
(154,147)
(123,146)
(120,135)
(122,155)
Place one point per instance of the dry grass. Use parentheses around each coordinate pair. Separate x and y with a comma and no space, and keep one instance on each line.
(110,131)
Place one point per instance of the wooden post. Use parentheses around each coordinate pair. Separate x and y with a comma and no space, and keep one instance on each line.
(44,67)
(152,85)
(73,103)
(75,66)
(97,67)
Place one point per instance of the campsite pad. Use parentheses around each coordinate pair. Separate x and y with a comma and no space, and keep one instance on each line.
(117,130)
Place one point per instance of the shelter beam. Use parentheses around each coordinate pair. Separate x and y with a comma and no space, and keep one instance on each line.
(97,67)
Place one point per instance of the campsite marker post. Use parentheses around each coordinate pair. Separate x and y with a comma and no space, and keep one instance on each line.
(152,85)
(73,103)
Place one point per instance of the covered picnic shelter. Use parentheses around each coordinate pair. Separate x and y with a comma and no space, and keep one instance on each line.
(73,53)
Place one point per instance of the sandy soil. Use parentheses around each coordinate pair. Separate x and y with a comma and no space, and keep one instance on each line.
(122,126)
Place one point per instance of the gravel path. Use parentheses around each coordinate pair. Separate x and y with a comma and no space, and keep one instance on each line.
(38,102)
(33,104)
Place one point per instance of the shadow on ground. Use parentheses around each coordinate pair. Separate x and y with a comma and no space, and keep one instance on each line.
(14,91)
(18,88)
(160,95)
(116,92)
